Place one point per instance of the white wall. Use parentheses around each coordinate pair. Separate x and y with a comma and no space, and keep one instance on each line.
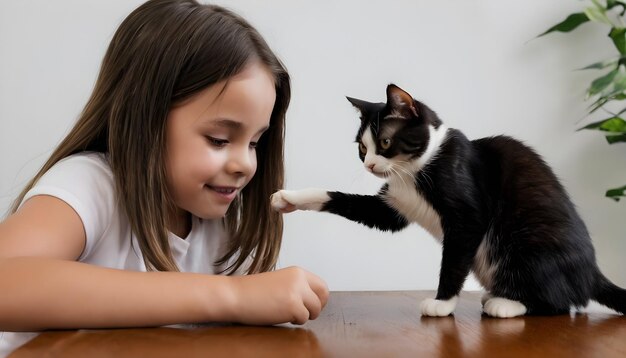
(475,62)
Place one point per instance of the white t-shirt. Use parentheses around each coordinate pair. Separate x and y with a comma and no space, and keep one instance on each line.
(85,182)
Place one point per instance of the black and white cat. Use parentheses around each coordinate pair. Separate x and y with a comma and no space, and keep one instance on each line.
(493,203)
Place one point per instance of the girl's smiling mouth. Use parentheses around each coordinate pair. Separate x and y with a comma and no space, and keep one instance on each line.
(227,193)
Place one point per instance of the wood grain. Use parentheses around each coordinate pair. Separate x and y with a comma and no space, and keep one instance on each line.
(360,324)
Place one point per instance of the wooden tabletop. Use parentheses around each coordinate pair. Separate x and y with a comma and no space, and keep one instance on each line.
(360,324)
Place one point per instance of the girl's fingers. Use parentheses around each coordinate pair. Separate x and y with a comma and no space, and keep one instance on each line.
(313,304)
(301,316)
(319,287)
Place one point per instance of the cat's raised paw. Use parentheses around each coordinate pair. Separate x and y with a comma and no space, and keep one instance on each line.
(503,308)
(278,203)
(438,308)
(306,199)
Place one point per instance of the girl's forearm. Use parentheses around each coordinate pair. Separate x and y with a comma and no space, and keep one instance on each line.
(39,293)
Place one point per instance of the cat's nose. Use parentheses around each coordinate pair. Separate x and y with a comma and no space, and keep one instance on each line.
(371,167)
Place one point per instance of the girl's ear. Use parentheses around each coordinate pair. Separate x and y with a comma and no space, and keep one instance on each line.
(400,102)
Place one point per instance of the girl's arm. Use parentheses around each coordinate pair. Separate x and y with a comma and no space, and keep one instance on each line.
(43,287)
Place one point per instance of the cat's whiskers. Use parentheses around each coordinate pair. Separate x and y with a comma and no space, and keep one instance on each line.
(391,168)
(427,178)
(406,172)
(399,169)
(422,181)
(398,165)
(417,176)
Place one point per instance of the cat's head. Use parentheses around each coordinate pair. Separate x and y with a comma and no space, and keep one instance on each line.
(394,136)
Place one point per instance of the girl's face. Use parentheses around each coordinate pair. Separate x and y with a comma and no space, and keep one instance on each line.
(211,140)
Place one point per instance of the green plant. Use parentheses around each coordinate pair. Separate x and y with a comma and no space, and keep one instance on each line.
(610,88)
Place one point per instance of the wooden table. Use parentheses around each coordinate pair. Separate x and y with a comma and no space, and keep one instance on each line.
(360,324)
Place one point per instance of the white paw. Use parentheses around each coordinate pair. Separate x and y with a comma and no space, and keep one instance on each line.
(306,199)
(438,308)
(277,200)
(503,308)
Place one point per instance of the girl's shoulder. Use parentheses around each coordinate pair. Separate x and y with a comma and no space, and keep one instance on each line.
(81,174)
(85,161)
(85,182)
(86,170)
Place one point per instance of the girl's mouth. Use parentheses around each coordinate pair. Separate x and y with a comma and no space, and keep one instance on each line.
(224,192)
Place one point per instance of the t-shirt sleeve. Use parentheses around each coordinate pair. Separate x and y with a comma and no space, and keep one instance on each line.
(84,182)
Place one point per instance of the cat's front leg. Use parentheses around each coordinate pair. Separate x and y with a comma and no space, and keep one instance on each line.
(455,266)
(369,210)
(432,307)
(306,199)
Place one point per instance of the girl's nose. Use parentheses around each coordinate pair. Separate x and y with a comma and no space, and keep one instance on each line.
(242,161)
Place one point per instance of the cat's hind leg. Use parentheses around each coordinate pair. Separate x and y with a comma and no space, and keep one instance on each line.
(504,307)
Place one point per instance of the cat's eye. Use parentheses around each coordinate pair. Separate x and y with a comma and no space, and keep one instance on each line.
(385,143)
(362,148)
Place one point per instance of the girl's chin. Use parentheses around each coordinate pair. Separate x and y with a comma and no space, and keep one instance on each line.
(212,215)
(217,211)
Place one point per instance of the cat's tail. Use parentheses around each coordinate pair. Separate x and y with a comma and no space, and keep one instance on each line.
(609,294)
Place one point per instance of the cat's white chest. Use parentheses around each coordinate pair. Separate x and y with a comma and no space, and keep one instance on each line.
(408,202)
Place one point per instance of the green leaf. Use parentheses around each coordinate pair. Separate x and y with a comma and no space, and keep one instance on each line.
(616,138)
(617,85)
(613,124)
(611,3)
(601,83)
(616,193)
(569,24)
(618,35)
(614,90)
(598,104)
(602,64)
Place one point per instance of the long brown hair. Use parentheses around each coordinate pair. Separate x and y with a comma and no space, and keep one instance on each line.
(163,53)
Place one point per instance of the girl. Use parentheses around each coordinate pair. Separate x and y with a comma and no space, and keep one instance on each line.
(158,175)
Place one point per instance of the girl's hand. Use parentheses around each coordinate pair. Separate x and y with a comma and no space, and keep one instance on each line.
(286,201)
(287,295)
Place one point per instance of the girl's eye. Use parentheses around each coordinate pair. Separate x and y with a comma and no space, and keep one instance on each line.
(385,143)
(253,145)
(362,148)
(217,142)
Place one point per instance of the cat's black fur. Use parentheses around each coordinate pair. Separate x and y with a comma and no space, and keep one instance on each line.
(495,189)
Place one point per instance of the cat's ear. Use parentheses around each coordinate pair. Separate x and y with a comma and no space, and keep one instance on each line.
(400,102)
(363,106)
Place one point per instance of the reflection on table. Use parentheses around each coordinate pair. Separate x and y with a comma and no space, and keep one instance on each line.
(360,324)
